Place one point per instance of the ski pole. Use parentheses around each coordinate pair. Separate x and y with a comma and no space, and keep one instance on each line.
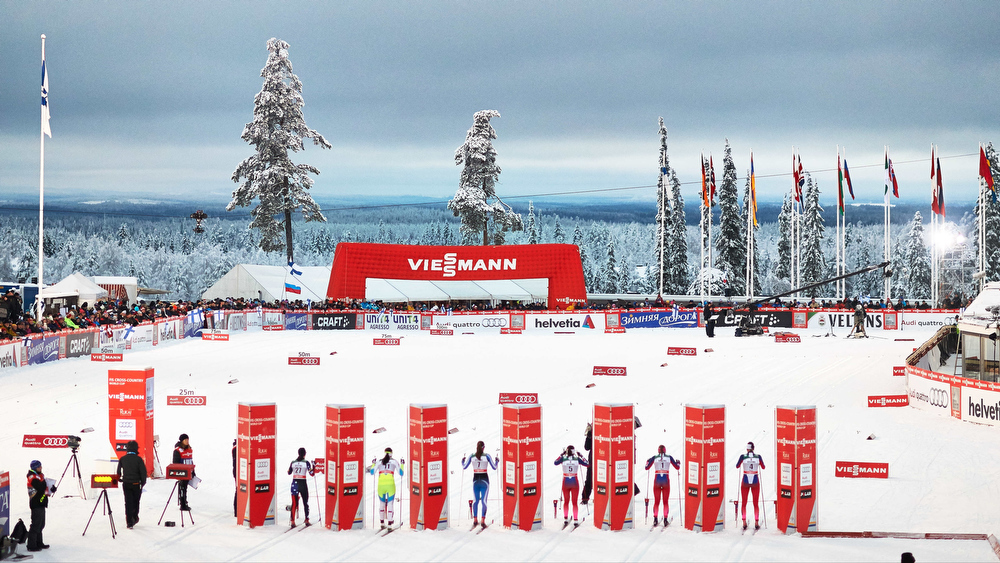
(319,499)
(374,494)
(763,501)
(680,504)
(646,521)
(461,481)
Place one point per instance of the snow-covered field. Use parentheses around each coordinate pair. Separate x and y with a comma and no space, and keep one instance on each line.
(944,474)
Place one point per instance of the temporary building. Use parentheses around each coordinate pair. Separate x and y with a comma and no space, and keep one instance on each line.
(75,285)
(271,283)
(125,288)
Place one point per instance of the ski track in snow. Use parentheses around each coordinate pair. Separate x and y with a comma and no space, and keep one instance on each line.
(943,473)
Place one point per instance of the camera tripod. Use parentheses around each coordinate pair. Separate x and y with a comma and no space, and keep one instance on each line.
(166,506)
(75,463)
(107,508)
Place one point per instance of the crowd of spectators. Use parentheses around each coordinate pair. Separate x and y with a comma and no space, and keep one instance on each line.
(14,324)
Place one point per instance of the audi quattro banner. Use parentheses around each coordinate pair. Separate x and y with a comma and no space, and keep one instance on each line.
(45,441)
(10,352)
(675,318)
(354,263)
(933,391)
(428,440)
(130,412)
(521,464)
(491,323)
(614,457)
(256,446)
(795,451)
(333,321)
(563,322)
(345,464)
(704,467)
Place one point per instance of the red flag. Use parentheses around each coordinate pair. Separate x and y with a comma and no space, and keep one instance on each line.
(939,194)
(711,168)
(797,179)
(704,184)
(935,208)
(892,177)
(984,170)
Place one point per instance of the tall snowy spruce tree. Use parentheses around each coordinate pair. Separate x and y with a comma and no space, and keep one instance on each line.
(992,220)
(476,201)
(753,238)
(532,229)
(678,239)
(269,175)
(918,264)
(782,270)
(660,277)
(813,261)
(731,244)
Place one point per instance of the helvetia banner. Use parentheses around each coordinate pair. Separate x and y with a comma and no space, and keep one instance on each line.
(521,464)
(795,452)
(428,439)
(255,454)
(704,467)
(614,454)
(345,451)
(130,412)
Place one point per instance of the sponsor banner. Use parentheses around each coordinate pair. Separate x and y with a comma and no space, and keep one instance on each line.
(929,394)
(392,321)
(193,323)
(981,405)
(511,331)
(272,328)
(217,335)
(786,337)
(345,467)
(888,400)
(385,341)
(518,398)
(255,467)
(32,350)
(168,330)
(354,263)
(614,457)
(796,508)
(50,348)
(9,355)
(254,319)
(295,321)
(608,370)
(273,318)
(898,371)
(428,441)
(521,466)
(552,322)
(303,360)
(187,400)
(141,336)
(333,321)
(106,357)
(910,320)
(4,504)
(704,467)
(778,318)
(443,332)
(130,412)
(235,321)
(674,318)
(78,344)
(45,441)
(861,470)
(680,351)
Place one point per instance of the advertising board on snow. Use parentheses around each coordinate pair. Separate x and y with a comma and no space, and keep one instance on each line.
(295,321)
(928,394)
(795,452)
(491,323)
(78,344)
(130,411)
(333,321)
(614,461)
(521,464)
(861,470)
(981,405)
(777,318)
(389,320)
(9,354)
(4,504)
(704,467)
(563,322)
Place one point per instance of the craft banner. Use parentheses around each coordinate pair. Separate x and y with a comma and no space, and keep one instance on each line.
(428,439)
(521,464)
(256,446)
(345,451)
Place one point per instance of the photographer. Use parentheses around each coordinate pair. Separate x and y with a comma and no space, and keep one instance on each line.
(132,475)
(183,454)
(38,500)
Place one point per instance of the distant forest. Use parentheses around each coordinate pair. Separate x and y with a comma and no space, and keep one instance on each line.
(155,242)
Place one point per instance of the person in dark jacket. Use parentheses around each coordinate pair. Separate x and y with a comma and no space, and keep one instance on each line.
(709,313)
(183,454)
(588,483)
(38,500)
(132,475)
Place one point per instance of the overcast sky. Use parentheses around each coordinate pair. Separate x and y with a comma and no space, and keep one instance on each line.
(150,98)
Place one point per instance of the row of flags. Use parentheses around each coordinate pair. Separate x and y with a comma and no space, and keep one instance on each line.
(292,288)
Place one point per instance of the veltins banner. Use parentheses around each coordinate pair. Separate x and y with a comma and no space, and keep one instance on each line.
(521,464)
(130,412)
(704,467)
(345,451)
(614,455)
(428,439)
(256,446)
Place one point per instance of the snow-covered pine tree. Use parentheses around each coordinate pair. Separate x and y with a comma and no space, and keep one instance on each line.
(731,243)
(531,229)
(899,267)
(476,201)
(609,274)
(868,283)
(279,185)
(782,270)
(918,275)
(813,260)
(753,236)
(992,220)
(558,234)
(662,246)
(678,249)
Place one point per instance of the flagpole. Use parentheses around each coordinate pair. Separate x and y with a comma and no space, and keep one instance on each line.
(41,206)
(840,208)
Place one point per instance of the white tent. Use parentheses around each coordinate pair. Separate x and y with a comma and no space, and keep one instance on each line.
(252,281)
(390,291)
(75,285)
(119,287)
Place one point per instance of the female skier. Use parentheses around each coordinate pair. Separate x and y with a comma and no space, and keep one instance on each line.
(752,464)
(386,469)
(570,463)
(480,462)
(660,463)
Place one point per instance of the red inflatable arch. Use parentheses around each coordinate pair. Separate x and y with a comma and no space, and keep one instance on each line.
(355,262)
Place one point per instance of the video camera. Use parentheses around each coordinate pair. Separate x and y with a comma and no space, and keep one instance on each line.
(73,442)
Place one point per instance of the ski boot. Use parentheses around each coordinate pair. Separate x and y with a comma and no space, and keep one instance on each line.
(756,525)
(744,525)
(656,521)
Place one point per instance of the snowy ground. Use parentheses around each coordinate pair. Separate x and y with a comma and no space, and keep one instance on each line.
(944,474)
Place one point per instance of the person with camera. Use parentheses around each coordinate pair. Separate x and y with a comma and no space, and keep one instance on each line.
(38,500)
(571,463)
(185,455)
(300,470)
(132,476)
